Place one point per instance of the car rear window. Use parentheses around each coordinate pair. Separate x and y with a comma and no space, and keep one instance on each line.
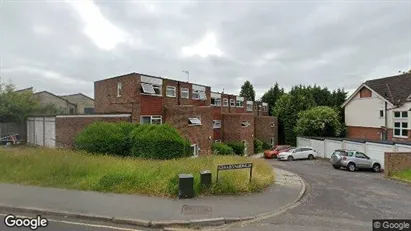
(341,153)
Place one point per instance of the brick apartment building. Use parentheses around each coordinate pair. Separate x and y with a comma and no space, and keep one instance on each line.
(200,115)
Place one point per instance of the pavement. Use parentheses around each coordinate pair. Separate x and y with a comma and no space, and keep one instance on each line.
(146,211)
(336,200)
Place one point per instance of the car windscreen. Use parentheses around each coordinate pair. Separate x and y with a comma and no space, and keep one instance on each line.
(340,153)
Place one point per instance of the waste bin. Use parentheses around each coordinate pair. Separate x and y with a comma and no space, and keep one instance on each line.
(205,179)
(185,186)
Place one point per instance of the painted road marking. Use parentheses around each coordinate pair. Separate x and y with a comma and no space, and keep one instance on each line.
(82,224)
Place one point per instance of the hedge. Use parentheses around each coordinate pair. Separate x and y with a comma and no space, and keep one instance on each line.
(238,147)
(258,146)
(105,138)
(158,142)
(222,149)
(266,146)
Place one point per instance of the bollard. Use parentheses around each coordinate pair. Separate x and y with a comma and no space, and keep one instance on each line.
(205,179)
(185,186)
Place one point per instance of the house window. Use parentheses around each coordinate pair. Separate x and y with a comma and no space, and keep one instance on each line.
(194,121)
(249,105)
(215,101)
(216,124)
(184,93)
(381,113)
(232,103)
(225,102)
(119,89)
(245,124)
(239,103)
(401,124)
(217,141)
(199,92)
(171,91)
(272,124)
(152,89)
(151,120)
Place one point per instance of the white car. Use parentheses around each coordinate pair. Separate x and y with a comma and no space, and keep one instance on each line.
(298,153)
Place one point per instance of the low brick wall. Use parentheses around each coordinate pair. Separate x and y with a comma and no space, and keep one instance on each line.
(68,126)
(396,161)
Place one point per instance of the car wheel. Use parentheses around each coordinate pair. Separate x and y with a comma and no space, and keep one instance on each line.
(310,157)
(290,158)
(336,167)
(376,168)
(351,167)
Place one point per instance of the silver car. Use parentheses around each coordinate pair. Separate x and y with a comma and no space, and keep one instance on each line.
(353,160)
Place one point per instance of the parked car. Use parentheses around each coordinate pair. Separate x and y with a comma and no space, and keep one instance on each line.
(353,160)
(276,150)
(298,153)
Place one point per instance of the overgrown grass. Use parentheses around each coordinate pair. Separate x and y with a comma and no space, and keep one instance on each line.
(83,171)
(404,175)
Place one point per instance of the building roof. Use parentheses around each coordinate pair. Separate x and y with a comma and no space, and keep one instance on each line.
(55,96)
(77,94)
(395,89)
(25,89)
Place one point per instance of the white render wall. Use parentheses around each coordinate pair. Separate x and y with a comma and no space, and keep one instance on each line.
(365,112)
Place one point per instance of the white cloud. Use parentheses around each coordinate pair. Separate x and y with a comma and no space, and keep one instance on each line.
(103,33)
(204,48)
(42,30)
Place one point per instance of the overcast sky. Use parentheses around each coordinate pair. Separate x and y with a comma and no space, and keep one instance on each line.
(63,46)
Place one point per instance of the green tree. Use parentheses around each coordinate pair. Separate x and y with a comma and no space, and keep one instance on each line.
(16,106)
(272,95)
(318,121)
(247,91)
(287,109)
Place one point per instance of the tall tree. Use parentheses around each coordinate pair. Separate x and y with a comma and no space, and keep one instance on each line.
(318,121)
(247,91)
(287,109)
(272,95)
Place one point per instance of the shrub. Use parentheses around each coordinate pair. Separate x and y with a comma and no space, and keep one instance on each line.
(238,147)
(258,146)
(266,146)
(105,138)
(222,149)
(158,142)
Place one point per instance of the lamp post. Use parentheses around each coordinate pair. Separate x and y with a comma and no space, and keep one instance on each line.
(188,75)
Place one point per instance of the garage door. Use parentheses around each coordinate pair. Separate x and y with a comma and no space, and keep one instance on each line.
(331,146)
(318,146)
(303,142)
(403,148)
(354,146)
(376,151)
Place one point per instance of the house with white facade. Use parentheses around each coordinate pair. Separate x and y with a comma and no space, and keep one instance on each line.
(380,109)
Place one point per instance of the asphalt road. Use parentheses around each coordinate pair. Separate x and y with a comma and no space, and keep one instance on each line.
(66,224)
(338,200)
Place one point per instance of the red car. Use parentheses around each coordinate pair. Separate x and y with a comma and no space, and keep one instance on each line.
(276,150)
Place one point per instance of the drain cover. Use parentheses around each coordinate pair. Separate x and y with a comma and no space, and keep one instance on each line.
(195,210)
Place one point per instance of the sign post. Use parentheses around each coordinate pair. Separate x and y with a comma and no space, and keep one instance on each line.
(234,167)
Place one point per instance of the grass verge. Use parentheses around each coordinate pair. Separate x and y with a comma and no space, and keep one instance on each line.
(404,175)
(83,171)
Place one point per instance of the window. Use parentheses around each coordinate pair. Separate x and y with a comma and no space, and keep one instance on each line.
(151,89)
(119,89)
(88,110)
(225,102)
(215,101)
(171,91)
(216,124)
(202,95)
(195,95)
(232,103)
(239,103)
(360,155)
(217,141)
(184,93)
(272,124)
(401,124)
(194,121)
(151,120)
(249,105)
(401,129)
(259,107)
(381,113)
(199,92)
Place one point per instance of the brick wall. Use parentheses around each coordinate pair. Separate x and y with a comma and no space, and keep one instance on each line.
(365,93)
(151,105)
(396,161)
(67,127)
(233,131)
(364,133)
(106,100)
(201,135)
(263,129)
